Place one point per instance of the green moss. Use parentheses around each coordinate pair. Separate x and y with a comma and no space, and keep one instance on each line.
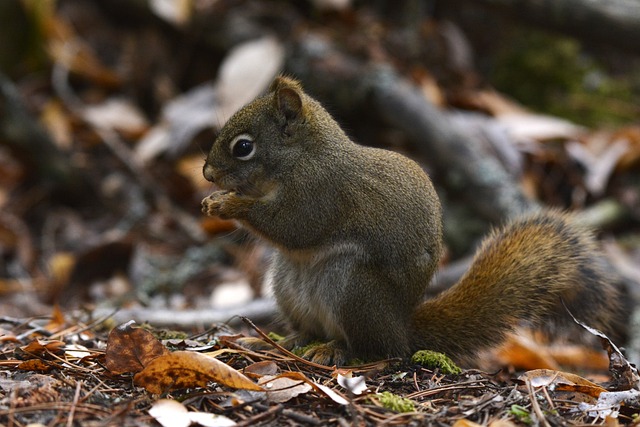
(433,360)
(168,334)
(521,414)
(394,402)
(275,337)
(554,75)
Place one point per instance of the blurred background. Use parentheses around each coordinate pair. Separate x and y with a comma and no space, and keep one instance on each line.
(108,108)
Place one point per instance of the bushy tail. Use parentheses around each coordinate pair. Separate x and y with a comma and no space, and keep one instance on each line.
(521,272)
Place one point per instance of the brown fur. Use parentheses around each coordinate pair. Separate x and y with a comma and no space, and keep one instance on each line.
(358,235)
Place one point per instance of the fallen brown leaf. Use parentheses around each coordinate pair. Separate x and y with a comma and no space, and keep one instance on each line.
(40,349)
(260,369)
(130,349)
(562,381)
(282,389)
(184,369)
(35,365)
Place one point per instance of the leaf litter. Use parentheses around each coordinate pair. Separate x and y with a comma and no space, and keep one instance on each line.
(138,136)
(132,371)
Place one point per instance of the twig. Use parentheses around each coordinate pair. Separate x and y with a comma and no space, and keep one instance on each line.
(259,417)
(366,366)
(72,411)
(534,404)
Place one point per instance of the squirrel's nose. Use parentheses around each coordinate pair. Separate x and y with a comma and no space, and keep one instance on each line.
(209,172)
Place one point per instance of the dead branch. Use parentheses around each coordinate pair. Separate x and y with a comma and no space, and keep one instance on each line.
(614,22)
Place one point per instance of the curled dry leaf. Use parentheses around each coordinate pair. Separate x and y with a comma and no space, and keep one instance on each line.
(185,369)
(562,381)
(625,374)
(282,389)
(322,389)
(130,349)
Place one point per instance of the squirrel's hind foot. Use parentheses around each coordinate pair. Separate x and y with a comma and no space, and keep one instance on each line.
(328,354)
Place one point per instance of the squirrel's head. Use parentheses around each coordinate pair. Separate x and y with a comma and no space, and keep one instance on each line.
(261,140)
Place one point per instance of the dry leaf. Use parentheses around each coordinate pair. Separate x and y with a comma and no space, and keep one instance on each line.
(538,127)
(502,423)
(632,157)
(356,385)
(260,369)
(624,373)
(215,225)
(465,423)
(35,365)
(182,119)
(599,167)
(246,72)
(171,413)
(76,351)
(58,124)
(609,403)
(66,47)
(130,349)
(331,394)
(281,389)
(177,12)
(61,266)
(562,381)
(578,356)
(40,349)
(185,369)
(117,114)
(521,352)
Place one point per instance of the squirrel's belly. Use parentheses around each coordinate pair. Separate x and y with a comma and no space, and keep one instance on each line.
(307,290)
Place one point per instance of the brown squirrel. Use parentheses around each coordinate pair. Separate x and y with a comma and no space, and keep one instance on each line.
(358,233)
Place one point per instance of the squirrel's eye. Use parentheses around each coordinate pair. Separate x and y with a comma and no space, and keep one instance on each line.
(242,147)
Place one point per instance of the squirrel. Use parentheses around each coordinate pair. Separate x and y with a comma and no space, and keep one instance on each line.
(358,237)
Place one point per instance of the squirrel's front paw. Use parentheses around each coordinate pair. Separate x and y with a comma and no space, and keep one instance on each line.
(214,204)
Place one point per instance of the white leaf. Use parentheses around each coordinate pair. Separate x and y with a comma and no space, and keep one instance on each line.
(246,72)
(116,113)
(170,413)
(176,12)
(211,420)
(538,127)
(77,351)
(331,394)
(355,385)
(182,118)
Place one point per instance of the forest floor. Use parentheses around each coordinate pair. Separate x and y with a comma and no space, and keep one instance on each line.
(107,110)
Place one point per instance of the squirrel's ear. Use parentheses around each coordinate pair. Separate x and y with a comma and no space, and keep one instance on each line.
(289,102)
(288,96)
